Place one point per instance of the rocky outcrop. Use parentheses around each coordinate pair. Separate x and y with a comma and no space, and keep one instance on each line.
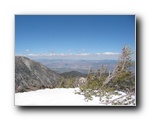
(31,75)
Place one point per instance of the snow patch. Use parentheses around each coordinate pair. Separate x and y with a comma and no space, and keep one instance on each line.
(54,97)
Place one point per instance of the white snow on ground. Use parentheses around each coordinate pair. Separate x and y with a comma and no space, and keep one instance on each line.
(57,96)
(54,97)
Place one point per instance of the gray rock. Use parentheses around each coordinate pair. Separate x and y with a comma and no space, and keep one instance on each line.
(31,75)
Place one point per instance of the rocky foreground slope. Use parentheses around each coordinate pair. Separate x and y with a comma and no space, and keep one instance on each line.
(31,75)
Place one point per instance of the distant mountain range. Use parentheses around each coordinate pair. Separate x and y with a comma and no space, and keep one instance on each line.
(83,66)
(31,75)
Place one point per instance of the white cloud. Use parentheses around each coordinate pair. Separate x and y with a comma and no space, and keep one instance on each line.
(98,53)
(107,53)
(98,56)
(110,53)
(27,50)
(71,54)
(83,54)
(33,55)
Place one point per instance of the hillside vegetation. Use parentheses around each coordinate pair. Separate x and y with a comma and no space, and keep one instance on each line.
(103,84)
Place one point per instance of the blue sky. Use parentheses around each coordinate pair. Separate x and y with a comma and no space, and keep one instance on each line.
(73,36)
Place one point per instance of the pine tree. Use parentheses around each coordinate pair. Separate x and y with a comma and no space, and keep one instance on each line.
(121,76)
